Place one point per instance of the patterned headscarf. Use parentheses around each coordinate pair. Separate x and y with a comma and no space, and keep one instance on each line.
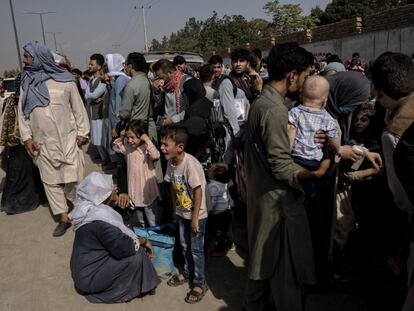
(43,68)
(174,87)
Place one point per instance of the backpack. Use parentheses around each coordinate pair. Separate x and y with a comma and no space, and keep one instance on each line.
(217,122)
(216,84)
(217,113)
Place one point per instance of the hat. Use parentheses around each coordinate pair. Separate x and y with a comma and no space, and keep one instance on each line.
(338,67)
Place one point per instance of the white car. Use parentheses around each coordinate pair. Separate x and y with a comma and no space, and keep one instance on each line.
(192,59)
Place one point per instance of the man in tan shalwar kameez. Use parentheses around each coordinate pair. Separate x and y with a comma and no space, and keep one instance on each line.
(54,124)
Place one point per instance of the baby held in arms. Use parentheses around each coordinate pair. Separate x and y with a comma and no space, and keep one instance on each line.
(307,119)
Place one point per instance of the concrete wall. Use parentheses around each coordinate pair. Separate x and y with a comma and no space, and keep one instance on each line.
(369,45)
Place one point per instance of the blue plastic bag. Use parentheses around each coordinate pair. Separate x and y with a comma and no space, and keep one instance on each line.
(163,246)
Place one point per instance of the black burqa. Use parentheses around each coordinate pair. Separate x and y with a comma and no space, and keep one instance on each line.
(105,266)
(197,119)
(23,189)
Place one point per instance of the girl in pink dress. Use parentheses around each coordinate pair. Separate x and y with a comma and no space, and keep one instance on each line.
(143,188)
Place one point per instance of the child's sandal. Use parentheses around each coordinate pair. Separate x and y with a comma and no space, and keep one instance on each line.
(175,281)
(195,294)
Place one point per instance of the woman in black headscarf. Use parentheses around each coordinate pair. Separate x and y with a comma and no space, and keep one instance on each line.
(197,119)
(348,91)
(22,187)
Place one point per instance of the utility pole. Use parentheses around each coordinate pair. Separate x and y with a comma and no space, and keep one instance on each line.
(145,28)
(54,38)
(41,22)
(15,36)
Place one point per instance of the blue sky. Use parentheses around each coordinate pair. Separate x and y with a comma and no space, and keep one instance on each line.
(99,26)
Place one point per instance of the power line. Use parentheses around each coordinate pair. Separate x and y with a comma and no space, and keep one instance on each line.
(131,16)
(135,26)
(41,21)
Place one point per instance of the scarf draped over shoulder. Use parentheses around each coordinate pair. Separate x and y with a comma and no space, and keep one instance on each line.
(43,67)
(91,193)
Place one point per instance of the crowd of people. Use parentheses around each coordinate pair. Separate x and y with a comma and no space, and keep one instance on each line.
(305,153)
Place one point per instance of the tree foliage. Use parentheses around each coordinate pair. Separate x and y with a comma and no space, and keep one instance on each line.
(214,33)
(288,18)
(11,73)
(338,10)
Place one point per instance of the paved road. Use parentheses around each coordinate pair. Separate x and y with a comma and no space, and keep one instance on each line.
(35,275)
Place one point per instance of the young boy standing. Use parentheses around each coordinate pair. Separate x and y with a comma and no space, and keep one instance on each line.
(188,190)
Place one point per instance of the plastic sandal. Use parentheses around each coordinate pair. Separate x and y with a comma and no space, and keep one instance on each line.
(199,296)
(175,281)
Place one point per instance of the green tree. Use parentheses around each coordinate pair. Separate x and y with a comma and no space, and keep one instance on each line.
(164,42)
(260,29)
(236,31)
(318,13)
(11,73)
(215,33)
(288,18)
(212,35)
(187,37)
(339,10)
(155,45)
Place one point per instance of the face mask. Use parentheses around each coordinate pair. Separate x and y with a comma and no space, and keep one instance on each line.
(264,75)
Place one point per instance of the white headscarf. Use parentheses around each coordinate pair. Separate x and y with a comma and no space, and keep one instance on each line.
(91,192)
(115,64)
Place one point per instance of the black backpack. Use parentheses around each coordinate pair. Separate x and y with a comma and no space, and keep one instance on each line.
(216,84)
(217,123)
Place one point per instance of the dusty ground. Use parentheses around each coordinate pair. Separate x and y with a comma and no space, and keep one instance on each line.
(35,275)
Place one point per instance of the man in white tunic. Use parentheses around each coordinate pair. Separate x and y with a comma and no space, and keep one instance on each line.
(53,123)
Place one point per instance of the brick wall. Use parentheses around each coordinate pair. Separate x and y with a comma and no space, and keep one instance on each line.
(299,37)
(334,31)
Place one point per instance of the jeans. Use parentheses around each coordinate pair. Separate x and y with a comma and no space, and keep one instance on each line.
(193,250)
(308,185)
(150,213)
(311,165)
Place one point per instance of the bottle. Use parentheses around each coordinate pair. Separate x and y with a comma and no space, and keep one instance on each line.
(360,150)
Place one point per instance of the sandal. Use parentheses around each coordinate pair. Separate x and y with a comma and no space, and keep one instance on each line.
(195,294)
(175,280)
